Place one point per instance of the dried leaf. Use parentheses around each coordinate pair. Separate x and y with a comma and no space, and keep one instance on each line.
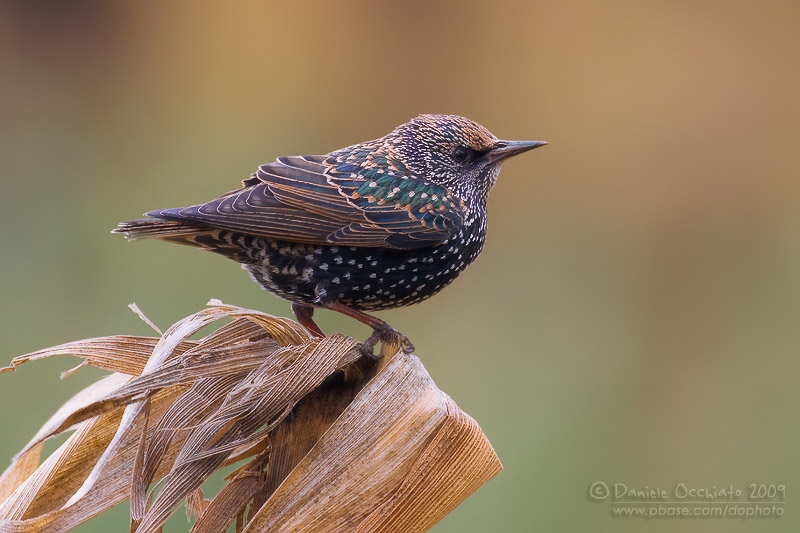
(282,330)
(231,501)
(39,501)
(457,461)
(196,503)
(265,397)
(376,448)
(356,464)
(125,354)
(19,470)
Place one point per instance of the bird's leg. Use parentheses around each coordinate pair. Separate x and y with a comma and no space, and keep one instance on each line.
(304,314)
(381,331)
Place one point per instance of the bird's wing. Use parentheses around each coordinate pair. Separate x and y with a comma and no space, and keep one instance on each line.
(321,200)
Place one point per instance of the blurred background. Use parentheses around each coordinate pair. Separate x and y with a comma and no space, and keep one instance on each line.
(634,316)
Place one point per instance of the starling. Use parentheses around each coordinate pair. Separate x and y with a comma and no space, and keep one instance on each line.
(377,225)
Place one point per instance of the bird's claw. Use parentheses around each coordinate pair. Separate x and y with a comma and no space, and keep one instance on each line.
(405,344)
(385,335)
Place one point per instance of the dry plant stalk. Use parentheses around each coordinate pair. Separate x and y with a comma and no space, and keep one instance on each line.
(329,440)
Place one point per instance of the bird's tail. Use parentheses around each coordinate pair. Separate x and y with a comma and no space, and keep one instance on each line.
(158,228)
(230,244)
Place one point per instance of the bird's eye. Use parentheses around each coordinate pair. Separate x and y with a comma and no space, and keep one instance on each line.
(462,154)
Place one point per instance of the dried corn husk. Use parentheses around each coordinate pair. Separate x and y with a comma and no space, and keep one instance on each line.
(331,440)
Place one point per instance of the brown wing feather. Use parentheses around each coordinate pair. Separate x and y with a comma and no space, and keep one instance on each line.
(308,199)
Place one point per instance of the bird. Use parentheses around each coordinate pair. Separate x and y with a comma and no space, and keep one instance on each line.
(377,225)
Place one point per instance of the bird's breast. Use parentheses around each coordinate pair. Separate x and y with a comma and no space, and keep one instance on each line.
(363,278)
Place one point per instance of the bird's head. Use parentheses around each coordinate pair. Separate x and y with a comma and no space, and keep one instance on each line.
(455,152)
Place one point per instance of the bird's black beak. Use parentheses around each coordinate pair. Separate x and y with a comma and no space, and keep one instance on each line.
(505,149)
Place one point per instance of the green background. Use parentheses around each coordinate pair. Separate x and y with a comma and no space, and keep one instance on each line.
(634,315)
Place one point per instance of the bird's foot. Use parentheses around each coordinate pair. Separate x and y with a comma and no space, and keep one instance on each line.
(381,331)
(388,335)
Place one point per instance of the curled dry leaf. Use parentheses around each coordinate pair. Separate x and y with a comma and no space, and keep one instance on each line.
(369,446)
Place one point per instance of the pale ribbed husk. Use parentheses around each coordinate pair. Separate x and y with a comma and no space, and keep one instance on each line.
(369,447)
